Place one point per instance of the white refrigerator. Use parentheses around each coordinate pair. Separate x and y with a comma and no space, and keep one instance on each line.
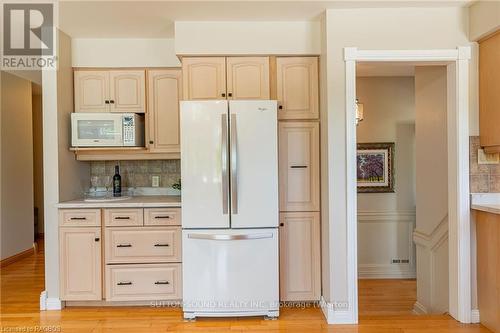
(229,170)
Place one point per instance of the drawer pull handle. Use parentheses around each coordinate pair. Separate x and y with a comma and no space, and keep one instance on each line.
(159,245)
(298,166)
(162,282)
(124,245)
(128,283)
(78,218)
(122,218)
(162,217)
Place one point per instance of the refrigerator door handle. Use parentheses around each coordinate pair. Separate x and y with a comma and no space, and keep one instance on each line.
(234,166)
(224,162)
(225,237)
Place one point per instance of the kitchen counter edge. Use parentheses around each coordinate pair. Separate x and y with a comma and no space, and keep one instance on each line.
(159,201)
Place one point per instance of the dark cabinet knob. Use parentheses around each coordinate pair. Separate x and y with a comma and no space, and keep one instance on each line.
(151,142)
(230,94)
(280,107)
(97,239)
(223,94)
(112,101)
(106,102)
(282,224)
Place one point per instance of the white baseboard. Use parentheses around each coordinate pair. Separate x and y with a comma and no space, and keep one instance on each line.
(49,303)
(335,316)
(475,318)
(419,308)
(388,271)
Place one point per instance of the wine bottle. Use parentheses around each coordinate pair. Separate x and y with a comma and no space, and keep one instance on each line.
(117,182)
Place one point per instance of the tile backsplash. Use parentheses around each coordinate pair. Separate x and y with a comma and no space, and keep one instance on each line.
(136,173)
(484,178)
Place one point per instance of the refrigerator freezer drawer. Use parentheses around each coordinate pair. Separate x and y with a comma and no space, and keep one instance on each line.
(230,272)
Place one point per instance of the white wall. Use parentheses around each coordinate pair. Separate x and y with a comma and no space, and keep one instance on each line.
(431,232)
(484,19)
(16,166)
(124,52)
(386,220)
(211,38)
(374,28)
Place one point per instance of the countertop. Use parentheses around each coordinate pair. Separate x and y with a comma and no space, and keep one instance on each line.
(486,202)
(133,202)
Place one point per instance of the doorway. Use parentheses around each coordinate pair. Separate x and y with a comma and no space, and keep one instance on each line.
(457,67)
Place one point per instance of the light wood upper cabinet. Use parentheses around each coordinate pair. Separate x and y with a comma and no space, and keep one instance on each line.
(110,91)
(300,274)
(91,91)
(164,93)
(489,97)
(204,78)
(299,166)
(297,87)
(247,77)
(127,91)
(80,263)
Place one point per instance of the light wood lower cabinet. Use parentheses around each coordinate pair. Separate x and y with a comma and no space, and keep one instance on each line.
(80,263)
(488,269)
(156,282)
(299,181)
(300,271)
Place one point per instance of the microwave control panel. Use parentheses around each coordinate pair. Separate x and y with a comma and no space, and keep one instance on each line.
(128,130)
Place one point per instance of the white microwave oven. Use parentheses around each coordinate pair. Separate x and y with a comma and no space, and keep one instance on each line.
(107,130)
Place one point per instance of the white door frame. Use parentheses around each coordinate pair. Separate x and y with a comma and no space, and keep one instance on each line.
(457,62)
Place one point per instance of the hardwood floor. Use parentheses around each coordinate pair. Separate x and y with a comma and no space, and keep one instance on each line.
(387,296)
(22,282)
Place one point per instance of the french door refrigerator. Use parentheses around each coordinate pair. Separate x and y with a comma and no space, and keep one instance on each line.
(229,169)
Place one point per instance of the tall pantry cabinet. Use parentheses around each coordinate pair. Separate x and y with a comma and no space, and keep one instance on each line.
(299,178)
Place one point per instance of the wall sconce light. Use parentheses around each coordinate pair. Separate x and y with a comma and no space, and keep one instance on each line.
(359,112)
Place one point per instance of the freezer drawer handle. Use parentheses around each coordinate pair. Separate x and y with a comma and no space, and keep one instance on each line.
(162,282)
(230,237)
(159,245)
(128,283)
(124,245)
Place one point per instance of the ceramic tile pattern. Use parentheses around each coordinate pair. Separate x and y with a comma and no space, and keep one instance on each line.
(483,178)
(137,173)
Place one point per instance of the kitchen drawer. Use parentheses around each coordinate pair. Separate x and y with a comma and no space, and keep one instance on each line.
(143,282)
(162,216)
(121,217)
(143,245)
(79,217)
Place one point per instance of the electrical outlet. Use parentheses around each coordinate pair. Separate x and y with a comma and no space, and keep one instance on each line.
(484,158)
(155,181)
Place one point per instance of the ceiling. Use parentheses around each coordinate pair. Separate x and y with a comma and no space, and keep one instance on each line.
(155,19)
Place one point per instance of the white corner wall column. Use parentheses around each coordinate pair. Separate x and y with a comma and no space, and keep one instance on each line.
(457,61)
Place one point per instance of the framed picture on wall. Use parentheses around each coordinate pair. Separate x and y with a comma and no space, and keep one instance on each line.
(375,167)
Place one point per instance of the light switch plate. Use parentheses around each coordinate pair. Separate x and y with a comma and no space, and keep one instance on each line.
(155,181)
(483,158)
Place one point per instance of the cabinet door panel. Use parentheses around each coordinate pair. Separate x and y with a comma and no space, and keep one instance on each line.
(165,91)
(300,275)
(489,98)
(248,77)
(80,263)
(204,78)
(127,91)
(91,91)
(297,87)
(299,166)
